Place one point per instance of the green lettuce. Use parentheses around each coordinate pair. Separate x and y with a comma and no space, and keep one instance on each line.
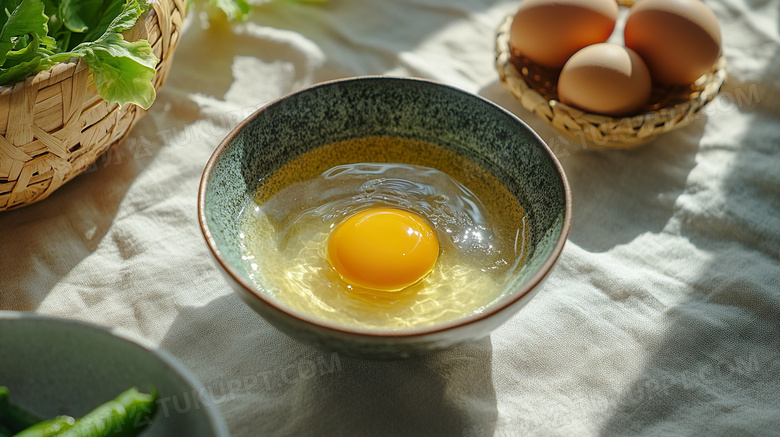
(36,34)
(234,9)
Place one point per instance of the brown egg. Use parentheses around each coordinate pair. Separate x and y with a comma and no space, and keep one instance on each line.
(606,79)
(548,32)
(678,39)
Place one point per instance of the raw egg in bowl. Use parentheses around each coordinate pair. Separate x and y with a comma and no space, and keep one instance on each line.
(384,217)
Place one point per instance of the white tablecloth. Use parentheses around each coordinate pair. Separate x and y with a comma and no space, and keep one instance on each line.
(661,317)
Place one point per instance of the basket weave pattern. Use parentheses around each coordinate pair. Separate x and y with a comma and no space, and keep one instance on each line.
(54,125)
(535,87)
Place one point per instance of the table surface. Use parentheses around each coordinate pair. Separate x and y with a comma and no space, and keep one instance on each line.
(661,316)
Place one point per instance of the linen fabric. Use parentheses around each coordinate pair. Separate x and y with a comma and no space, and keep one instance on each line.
(661,317)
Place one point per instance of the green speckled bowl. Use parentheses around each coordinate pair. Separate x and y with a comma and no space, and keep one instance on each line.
(55,366)
(371,106)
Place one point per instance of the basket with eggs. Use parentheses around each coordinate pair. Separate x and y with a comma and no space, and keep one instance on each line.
(555,58)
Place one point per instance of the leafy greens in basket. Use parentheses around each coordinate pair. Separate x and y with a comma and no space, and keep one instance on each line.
(36,34)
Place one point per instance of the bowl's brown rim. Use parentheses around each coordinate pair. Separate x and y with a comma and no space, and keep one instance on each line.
(504,304)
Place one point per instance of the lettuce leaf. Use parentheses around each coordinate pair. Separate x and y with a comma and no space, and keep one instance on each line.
(123,70)
(24,69)
(234,9)
(25,50)
(88,19)
(32,40)
(36,34)
(25,18)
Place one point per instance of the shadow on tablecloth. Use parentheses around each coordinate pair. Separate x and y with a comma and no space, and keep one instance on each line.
(617,195)
(268,384)
(718,368)
(704,301)
(46,240)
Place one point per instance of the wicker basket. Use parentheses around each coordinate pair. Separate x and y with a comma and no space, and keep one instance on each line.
(535,87)
(54,125)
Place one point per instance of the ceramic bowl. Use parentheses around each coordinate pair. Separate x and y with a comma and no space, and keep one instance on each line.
(330,112)
(56,366)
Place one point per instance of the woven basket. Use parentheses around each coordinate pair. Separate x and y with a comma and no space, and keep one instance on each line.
(54,125)
(535,87)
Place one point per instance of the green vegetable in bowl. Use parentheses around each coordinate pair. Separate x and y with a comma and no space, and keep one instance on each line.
(48,428)
(127,415)
(12,417)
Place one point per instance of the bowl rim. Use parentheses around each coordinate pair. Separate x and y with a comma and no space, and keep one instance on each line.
(213,417)
(505,303)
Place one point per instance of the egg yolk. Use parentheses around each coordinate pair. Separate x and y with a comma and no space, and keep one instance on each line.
(383,249)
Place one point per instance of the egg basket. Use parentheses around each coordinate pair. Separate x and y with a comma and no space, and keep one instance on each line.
(54,125)
(535,87)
